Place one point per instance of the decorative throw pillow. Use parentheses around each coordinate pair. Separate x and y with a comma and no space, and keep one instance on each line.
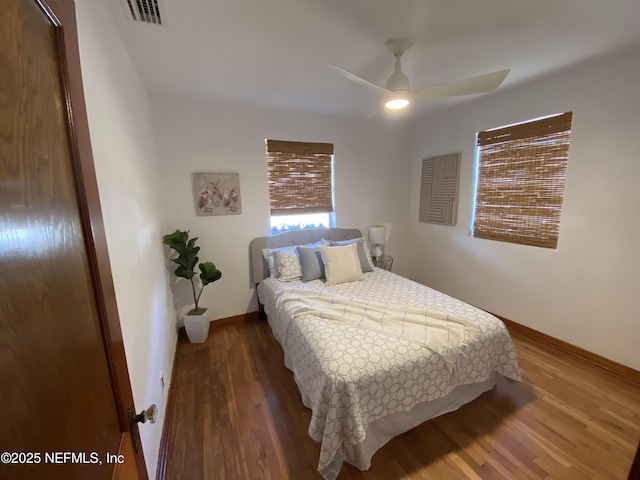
(288,265)
(341,264)
(269,255)
(311,263)
(363,252)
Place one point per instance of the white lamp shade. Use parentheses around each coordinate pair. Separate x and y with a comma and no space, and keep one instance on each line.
(377,234)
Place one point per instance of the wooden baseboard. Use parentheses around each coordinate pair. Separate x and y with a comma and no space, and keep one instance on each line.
(166,425)
(602,362)
(245,317)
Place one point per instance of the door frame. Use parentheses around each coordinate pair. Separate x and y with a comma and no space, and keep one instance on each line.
(63,14)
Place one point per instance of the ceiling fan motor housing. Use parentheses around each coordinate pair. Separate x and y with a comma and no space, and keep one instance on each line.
(398,80)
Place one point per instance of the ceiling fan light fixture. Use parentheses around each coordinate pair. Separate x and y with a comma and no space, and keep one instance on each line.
(398,93)
(396,103)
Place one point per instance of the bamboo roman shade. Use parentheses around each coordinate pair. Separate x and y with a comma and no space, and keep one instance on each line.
(300,176)
(520,181)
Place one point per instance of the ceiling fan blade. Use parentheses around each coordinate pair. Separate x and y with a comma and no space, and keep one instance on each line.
(355,78)
(467,86)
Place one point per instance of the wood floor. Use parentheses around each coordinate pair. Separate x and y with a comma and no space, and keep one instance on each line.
(237,414)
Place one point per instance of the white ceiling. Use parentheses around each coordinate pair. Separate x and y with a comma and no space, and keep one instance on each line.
(271,52)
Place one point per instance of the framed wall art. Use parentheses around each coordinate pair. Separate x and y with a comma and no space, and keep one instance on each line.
(439,189)
(217,194)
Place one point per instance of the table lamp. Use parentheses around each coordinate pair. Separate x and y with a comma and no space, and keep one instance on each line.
(377,237)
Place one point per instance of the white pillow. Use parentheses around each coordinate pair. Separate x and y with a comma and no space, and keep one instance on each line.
(341,264)
(363,252)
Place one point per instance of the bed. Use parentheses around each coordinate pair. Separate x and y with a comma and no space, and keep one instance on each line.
(376,356)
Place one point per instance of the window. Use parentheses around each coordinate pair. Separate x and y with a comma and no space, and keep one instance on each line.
(300,184)
(520,174)
(297,222)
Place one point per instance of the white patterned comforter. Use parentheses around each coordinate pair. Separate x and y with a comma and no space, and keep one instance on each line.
(351,376)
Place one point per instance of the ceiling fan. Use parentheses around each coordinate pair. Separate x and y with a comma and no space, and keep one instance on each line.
(398,93)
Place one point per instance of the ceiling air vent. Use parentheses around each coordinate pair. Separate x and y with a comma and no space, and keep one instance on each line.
(146,11)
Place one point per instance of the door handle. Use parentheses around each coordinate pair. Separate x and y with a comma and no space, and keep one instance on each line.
(150,415)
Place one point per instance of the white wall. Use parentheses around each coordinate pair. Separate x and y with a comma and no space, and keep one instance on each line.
(586,291)
(129,186)
(196,136)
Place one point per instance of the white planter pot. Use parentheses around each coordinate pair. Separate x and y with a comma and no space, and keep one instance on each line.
(197,327)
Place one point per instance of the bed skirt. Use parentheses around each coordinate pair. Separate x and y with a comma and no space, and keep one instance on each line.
(386,428)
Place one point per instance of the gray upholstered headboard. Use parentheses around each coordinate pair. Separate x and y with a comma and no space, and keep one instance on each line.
(259,268)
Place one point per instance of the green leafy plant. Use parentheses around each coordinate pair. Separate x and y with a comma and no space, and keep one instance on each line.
(187,260)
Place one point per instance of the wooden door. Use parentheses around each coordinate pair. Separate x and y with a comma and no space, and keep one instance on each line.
(64,386)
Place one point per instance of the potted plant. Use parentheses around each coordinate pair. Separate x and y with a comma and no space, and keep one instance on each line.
(196,321)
